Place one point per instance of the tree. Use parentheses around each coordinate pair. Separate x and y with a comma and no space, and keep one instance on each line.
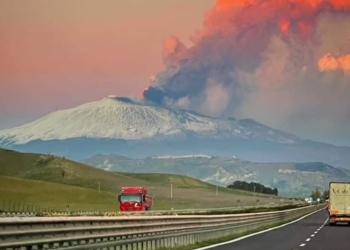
(316,194)
(325,195)
(275,191)
(253,186)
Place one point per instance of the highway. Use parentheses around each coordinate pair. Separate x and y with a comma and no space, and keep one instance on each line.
(310,233)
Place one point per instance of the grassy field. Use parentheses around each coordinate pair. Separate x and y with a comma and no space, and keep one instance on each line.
(82,184)
(44,195)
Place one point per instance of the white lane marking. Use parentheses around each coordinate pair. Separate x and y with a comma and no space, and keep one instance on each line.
(253,234)
(312,235)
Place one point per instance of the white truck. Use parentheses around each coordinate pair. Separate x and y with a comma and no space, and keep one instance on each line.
(339,202)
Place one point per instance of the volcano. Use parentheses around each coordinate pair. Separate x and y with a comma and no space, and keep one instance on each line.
(136,128)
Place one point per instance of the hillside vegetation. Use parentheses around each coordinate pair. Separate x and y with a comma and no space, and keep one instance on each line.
(186,192)
(291,179)
(19,194)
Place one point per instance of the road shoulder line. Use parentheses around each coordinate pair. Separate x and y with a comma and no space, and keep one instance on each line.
(253,234)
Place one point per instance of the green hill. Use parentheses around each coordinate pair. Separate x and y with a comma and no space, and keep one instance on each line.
(23,194)
(291,179)
(186,192)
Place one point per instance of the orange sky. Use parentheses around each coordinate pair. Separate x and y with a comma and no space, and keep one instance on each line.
(57,54)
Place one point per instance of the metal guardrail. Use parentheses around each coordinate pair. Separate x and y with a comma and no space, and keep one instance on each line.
(133,232)
(150,212)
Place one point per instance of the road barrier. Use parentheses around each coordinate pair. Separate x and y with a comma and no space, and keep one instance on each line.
(150,212)
(132,232)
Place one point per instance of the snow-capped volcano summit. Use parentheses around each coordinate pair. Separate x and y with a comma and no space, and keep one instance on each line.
(136,128)
(111,117)
(130,119)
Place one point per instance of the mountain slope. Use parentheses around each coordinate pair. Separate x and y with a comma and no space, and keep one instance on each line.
(187,192)
(123,118)
(137,129)
(291,179)
(26,192)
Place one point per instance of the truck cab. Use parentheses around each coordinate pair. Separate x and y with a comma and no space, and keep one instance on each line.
(134,199)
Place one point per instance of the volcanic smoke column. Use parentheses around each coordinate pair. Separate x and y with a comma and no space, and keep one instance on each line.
(247,47)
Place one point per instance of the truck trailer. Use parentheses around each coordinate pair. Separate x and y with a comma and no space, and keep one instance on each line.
(134,199)
(339,202)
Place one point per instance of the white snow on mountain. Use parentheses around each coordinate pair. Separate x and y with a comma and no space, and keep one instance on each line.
(131,119)
(181,156)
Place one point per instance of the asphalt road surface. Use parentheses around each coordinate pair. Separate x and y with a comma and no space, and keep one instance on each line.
(310,233)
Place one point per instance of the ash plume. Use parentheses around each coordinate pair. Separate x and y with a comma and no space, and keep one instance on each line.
(283,62)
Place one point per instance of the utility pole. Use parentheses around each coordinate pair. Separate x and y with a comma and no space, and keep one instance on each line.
(254,191)
(217,175)
(171,190)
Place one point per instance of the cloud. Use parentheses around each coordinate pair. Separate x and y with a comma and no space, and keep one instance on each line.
(284,63)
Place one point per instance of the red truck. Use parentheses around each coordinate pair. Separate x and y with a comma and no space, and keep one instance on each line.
(134,199)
